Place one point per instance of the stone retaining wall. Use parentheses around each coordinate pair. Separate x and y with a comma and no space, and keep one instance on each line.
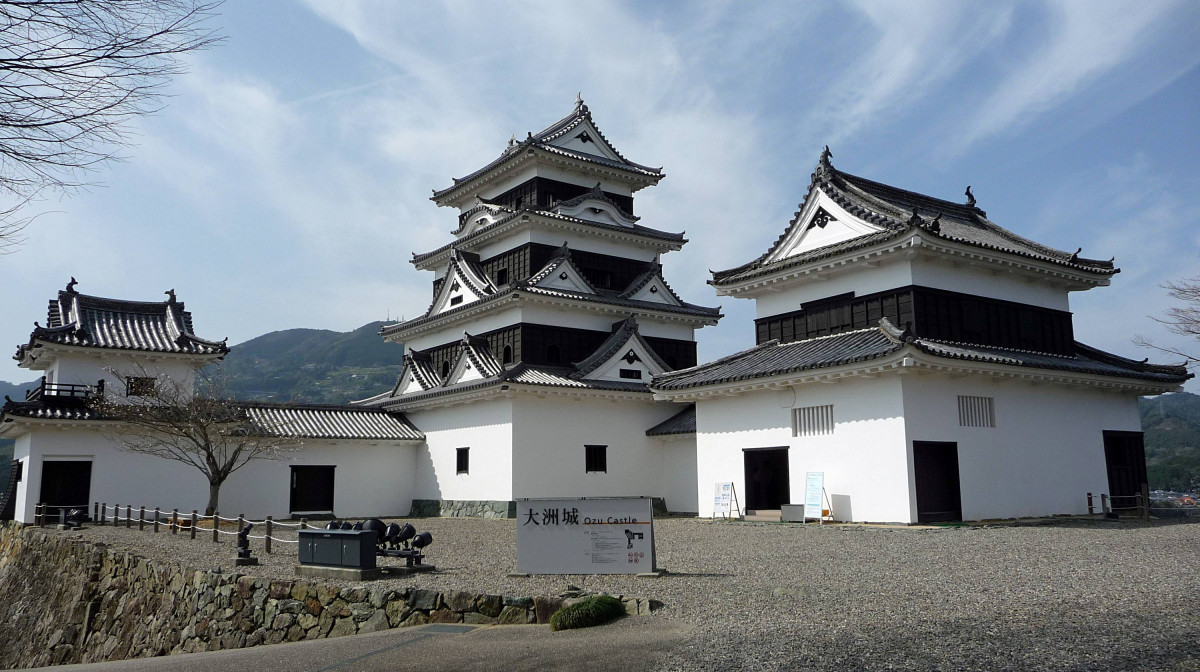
(463,508)
(69,601)
(470,508)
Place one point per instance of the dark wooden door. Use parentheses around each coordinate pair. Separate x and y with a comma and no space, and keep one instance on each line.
(312,489)
(939,498)
(1125,457)
(66,484)
(767,482)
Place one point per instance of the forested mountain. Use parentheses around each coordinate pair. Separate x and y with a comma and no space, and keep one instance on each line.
(1172,426)
(311,365)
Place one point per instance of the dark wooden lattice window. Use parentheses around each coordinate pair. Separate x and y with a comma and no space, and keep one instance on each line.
(139,386)
(595,458)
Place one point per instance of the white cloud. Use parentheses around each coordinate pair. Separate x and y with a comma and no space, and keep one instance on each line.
(1085,41)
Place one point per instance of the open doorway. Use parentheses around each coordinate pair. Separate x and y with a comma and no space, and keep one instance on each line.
(312,490)
(935,466)
(66,484)
(767,483)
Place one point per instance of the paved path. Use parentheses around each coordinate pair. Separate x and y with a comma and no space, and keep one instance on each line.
(632,644)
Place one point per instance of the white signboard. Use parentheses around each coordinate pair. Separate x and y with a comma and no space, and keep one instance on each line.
(814,490)
(585,536)
(723,499)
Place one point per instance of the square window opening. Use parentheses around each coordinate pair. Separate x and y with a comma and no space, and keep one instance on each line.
(596,459)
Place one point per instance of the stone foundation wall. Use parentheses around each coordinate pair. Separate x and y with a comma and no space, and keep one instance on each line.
(64,600)
(470,508)
(463,508)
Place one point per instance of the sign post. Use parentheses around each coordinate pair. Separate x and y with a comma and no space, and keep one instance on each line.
(585,536)
(814,496)
(725,501)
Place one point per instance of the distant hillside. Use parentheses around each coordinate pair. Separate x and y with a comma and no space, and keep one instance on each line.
(312,365)
(1172,426)
(16,390)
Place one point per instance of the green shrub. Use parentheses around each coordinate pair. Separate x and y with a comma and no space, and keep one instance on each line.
(594,610)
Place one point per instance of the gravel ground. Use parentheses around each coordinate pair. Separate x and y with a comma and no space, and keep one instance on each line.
(1070,595)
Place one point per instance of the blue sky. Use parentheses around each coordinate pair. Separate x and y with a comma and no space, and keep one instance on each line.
(286,183)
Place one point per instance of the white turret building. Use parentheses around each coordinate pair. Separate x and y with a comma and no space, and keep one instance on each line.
(922,359)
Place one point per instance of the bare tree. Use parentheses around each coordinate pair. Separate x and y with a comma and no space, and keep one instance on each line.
(73,73)
(162,417)
(1183,319)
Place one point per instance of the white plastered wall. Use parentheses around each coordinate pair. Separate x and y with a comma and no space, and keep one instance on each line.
(864,460)
(548,455)
(483,426)
(371,479)
(113,368)
(118,477)
(1045,453)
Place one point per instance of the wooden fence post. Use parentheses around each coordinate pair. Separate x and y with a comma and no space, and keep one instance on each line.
(95,511)
(37,514)
(216,523)
(174,521)
(194,521)
(1104,503)
(128,516)
(304,523)
(267,541)
(1145,501)
(241,522)
(156,520)
(1091,508)
(141,518)
(103,512)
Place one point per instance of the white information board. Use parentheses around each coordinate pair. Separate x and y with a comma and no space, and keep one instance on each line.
(814,491)
(585,536)
(723,499)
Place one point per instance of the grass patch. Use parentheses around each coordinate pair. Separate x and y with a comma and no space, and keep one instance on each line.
(594,610)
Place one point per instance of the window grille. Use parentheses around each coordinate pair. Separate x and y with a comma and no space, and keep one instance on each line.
(463,460)
(812,420)
(139,386)
(976,411)
(634,374)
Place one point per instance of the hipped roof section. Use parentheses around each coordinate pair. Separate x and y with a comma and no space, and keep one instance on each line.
(898,213)
(80,320)
(543,141)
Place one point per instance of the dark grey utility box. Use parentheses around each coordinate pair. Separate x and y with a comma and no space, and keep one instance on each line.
(791,513)
(352,549)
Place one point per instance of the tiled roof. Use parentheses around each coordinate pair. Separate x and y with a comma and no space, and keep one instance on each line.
(520,289)
(774,359)
(303,421)
(899,213)
(522,374)
(595,193)
(468,240)
(330,422)
(48,410)
(682,423)
(542,141)
(114,324)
